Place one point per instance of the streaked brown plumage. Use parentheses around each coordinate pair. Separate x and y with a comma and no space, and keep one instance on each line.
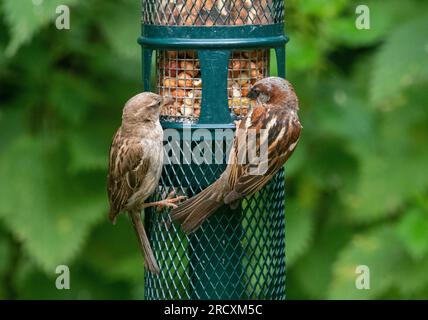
(276,112)
(135,165)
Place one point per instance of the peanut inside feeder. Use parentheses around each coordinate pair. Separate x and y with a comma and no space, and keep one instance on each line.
(179,77)
(212,12)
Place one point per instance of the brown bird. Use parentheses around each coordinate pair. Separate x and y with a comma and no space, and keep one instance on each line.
(275,111)
(135,165)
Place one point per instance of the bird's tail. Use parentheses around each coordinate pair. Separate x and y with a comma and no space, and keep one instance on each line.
(194,211)
(149,258)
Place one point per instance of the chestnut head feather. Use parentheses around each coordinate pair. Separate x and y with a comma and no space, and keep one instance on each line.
(145,106)
(274,91)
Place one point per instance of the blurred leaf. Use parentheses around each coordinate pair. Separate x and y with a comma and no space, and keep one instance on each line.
(298,234)
(121,26)
(25,18)
(314,270)
(384,188)
(383,17)
(409,278)
(300,222)
(12,124)
(112,250)
(70,96)
(85,284)
(377,249)
(322,8)
(402,61)
(412,231)
(4,252)
(389,265)
(48,209)
(89,146)
(393,165)
(302,52)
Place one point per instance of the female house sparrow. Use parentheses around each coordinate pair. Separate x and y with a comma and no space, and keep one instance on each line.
(276,112)
(135,165)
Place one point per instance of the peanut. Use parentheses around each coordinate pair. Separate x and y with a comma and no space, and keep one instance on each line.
(197,110)
(184,79)
(171,54)
(178,94)
(243,78)
(170,82)
(244,91)
(170,68)
(188,67)
(197,83)
(253,70)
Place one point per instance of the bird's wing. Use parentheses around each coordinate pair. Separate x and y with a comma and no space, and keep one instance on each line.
(282,132)
(127,169)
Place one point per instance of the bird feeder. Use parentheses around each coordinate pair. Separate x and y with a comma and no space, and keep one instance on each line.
(208,53)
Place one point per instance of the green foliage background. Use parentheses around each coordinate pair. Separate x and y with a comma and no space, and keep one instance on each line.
(356,187)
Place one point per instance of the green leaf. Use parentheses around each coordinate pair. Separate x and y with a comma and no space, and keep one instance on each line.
(313,271)
(89,146)
(48,209)
(25,18)
(85,284)
(383,16)
(343,31)
(70,96)
(4,252)
(409,277)
(123,27)
(391,268)
(401,62)
(380,251)
(303,53)
(393,164)
(113,251)
(412,231)
(300,221)
(298,235)
(322,8)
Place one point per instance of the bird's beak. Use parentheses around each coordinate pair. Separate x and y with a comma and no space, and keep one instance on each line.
(168,100)
(252,95)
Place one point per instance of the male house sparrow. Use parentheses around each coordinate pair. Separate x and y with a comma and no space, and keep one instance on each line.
(276,112)
(135,165)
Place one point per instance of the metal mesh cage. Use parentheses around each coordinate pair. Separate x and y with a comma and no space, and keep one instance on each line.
(179,76)
(212,12)
(236,254)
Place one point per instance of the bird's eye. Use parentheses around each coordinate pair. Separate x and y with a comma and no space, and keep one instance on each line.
(254,93)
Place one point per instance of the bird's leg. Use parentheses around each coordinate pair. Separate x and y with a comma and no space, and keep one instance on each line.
(168,202)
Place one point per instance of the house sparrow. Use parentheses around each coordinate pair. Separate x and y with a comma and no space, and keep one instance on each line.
(275,111)
(135,165)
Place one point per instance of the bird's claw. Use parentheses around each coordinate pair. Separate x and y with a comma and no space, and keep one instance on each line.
(170,201)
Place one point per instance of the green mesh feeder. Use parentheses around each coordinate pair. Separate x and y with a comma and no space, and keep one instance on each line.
(208,54)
